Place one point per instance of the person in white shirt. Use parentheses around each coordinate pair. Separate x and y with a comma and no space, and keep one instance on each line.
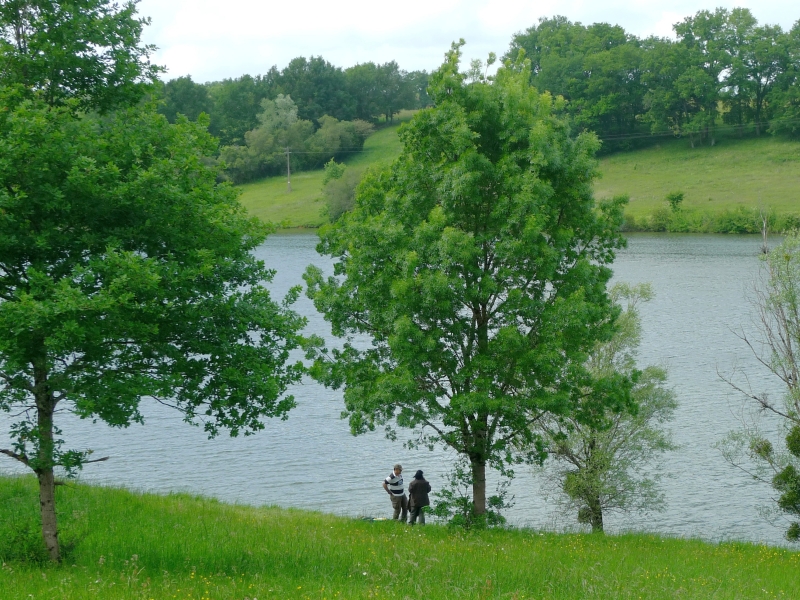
(393,485)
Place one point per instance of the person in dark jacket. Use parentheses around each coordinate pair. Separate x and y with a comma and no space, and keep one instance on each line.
(418,498)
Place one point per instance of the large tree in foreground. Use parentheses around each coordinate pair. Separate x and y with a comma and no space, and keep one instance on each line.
(126,272)
(477,264)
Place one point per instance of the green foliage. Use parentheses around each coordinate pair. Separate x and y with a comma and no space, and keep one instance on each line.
(136,280)
(596,68)
(339,194)
(235,104)
(777,300)
(182,96)
(674,199)
(87,51)
(332,170)
(477,263)
(140,282)
(280,130)
(453,504)
(608,464)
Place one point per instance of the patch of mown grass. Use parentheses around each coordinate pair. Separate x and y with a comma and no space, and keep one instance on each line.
(722,185)
(269,198)
(128,545)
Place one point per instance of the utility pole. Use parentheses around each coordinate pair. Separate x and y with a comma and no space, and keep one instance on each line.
(288,172)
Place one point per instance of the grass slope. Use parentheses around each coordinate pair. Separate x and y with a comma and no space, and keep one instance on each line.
(755,173)
(124,545)
(270,200)
(759,172)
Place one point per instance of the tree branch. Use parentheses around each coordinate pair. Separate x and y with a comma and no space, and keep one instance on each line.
(20,457)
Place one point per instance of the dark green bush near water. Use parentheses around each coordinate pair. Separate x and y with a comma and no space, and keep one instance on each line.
(741,219)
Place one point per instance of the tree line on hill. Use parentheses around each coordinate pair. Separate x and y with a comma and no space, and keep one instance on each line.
(319,110)
(724,69)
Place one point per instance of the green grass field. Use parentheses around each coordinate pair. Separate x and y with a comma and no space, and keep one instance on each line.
(753,173)
(121,545)
(757,172)
(270,200)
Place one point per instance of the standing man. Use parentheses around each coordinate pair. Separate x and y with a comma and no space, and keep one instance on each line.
(418,498)
(393,485)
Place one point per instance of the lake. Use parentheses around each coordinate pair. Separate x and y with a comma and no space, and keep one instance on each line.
(311,461)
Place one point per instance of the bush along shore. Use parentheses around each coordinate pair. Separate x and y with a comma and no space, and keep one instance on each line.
(120,544)
(742,219)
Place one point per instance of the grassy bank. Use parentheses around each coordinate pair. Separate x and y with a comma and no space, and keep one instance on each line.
(725,187)
(123,545)
(270,200)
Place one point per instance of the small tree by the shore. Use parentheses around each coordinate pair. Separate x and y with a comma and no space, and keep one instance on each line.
(608,465)
(776,345)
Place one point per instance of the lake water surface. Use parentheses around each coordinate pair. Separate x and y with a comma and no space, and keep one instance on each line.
(311,461)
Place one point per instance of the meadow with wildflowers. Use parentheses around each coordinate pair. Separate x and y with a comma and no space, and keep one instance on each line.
(126,545)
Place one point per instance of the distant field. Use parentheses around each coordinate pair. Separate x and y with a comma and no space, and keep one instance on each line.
(269,199)
(761,172)
(755,173)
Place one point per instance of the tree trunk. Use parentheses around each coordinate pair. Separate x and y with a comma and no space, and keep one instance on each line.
(478,485)
(47,503)
(45,408)
(596,514)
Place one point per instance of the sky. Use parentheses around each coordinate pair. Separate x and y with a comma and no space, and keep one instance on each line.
(217,39)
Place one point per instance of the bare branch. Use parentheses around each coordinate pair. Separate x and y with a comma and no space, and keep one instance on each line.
(20,457)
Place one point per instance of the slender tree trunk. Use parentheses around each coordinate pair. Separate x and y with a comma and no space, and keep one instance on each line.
(596,512)
(479,485)
(45,408)
(758,116)
(47,504)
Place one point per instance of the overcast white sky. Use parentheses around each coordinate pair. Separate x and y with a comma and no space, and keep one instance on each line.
(214,39)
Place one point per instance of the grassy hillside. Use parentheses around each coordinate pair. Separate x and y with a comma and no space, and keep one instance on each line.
(759,173)
(269,199)
(123,545)
(751,174)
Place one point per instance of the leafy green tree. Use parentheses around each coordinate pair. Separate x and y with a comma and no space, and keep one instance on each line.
(757,58)
(318,87)
(477,264)
(596,69)
(182,96)
(364,87)
(705,35)
(607,466)
(394,91)
(332,170)
(236,104)
(784,98)
(86,50)
(339,193)
(776,346)
(126,272)
(418,82)
(678,90)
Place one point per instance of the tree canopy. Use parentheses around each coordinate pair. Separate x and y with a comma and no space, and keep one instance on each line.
(126,269)
(87,50)
(477,264)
